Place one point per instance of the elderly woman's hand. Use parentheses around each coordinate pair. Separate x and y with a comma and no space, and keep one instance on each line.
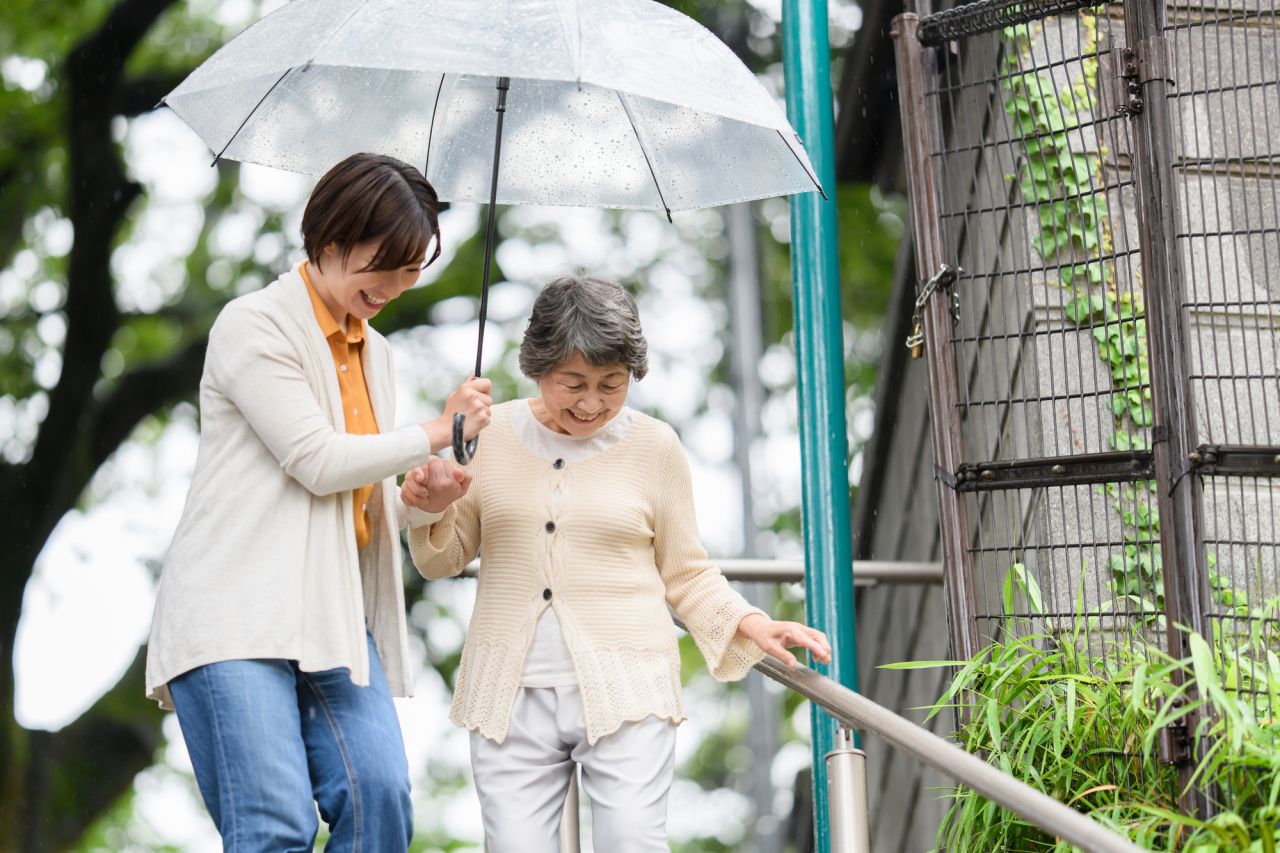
(434,486)
(472,399)
(774,637)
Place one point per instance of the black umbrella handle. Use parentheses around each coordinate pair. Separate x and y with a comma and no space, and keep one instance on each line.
(464,451)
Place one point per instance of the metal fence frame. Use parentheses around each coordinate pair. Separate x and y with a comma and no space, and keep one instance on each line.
(1175,456)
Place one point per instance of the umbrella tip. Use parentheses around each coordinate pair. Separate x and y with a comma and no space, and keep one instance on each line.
(668,210)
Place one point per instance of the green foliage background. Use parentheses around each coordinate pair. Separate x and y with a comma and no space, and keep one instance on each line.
(151,345)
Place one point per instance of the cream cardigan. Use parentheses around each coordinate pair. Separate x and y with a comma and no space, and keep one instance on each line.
(264,562)
(619,546)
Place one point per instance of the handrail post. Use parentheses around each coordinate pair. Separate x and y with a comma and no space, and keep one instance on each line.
(847,786)
(815,278)
(855,710)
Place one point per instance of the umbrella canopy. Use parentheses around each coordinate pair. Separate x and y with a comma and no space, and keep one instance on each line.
(612,103)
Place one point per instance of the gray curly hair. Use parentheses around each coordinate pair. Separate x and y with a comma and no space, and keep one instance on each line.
(581,314)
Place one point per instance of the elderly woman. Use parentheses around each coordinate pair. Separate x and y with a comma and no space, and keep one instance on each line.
(582,510)
(279,632)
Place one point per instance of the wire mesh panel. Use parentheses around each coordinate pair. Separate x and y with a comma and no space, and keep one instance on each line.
(1039,555)
(1224,62)
(1032,212)
(1037,209)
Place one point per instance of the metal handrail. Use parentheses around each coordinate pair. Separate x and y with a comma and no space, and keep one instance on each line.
(858,712)
(865,572)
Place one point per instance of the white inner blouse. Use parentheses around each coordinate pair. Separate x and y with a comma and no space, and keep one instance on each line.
(548,663)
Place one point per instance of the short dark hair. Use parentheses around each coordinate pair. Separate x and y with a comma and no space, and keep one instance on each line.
(581,314)
(372,197)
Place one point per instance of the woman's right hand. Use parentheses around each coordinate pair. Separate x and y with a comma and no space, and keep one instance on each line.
(432,487)
(471,399)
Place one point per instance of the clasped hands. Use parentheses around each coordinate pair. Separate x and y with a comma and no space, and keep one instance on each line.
(440,482)
(432,487)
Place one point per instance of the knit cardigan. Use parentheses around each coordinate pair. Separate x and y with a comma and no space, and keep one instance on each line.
(264,561)
(619,545)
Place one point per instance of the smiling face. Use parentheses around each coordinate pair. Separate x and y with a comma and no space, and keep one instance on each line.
(579,398)
(350,288)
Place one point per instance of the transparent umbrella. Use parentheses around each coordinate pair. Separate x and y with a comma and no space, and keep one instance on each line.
(594,103)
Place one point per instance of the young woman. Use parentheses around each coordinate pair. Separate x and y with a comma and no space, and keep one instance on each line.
(582,511)
(279,630)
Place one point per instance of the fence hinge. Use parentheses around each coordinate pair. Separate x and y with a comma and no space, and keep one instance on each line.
(1175,743)
(1236,460)
(1133,87)
(1139,66)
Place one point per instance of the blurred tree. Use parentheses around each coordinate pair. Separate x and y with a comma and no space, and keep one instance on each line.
(77,372)
(59,155)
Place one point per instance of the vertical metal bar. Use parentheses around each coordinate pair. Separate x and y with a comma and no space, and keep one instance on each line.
(943,375)
(847,782)
(746,348)
(747,338)
(1164,292)
(824,446)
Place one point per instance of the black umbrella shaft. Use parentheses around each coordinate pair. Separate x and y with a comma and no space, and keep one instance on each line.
(504,83)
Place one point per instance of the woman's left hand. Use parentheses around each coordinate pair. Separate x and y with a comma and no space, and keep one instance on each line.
(774,637)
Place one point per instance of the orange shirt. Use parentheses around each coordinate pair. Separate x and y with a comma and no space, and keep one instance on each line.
(346,348)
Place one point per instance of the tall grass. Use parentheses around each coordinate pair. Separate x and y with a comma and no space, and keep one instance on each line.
(1083,724)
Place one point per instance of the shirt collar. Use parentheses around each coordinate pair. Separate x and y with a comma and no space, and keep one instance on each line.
(328,325)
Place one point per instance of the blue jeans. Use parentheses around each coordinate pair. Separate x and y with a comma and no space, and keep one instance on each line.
(269,743)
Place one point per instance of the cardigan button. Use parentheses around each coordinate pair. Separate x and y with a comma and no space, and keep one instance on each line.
(558,464)
(551,527)
(546,594)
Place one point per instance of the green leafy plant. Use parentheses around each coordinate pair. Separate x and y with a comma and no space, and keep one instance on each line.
(1083,726)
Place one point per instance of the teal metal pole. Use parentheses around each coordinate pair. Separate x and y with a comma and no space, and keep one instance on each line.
(824,445)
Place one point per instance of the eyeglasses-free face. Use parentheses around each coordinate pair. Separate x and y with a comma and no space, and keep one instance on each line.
(579,398)
(351,289)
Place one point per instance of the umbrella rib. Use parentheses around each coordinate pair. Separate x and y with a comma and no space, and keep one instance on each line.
(626,107)
(816,185)
(431,131)
(261,101)
(288,71)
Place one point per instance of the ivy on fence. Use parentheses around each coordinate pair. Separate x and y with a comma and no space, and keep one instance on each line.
(1066,185)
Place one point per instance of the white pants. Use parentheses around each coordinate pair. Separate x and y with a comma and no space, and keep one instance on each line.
(522,782)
